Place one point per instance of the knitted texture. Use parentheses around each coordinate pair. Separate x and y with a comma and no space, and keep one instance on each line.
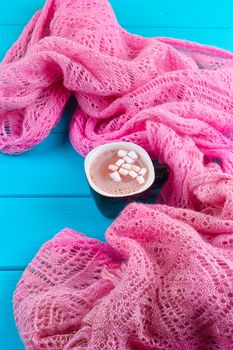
(164,279)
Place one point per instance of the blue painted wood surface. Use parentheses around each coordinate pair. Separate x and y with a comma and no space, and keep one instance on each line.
(44,190)
(29,222)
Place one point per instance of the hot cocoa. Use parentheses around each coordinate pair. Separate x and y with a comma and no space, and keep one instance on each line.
(119,171)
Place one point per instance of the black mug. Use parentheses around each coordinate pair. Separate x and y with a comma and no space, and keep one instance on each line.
(111,205)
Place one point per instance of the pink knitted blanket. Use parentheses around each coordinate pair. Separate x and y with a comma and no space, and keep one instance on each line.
(164,279)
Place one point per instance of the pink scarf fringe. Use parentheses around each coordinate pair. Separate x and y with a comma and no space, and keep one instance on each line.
(164,279)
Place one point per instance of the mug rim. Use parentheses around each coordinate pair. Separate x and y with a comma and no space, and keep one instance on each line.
(118,145)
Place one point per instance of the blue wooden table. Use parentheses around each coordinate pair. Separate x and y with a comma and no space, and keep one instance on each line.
(44,190)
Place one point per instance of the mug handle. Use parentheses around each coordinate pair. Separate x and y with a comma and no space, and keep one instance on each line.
(161,174)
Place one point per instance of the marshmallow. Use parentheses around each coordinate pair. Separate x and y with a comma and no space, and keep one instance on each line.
(127,166)
(133,155)
(143,171)
(122,153)
(112,167)
(140,179)
(128,160)
(115,176)
(120,162)
(133,174)
(136,168)
(124,172)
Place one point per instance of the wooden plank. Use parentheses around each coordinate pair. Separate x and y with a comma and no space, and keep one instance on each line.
(9,338)
(194,13)
(26,223)
(135,13)
(18,11)
(52,167)
(8,35)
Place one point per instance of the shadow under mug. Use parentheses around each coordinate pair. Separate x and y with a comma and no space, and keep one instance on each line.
(111,205)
